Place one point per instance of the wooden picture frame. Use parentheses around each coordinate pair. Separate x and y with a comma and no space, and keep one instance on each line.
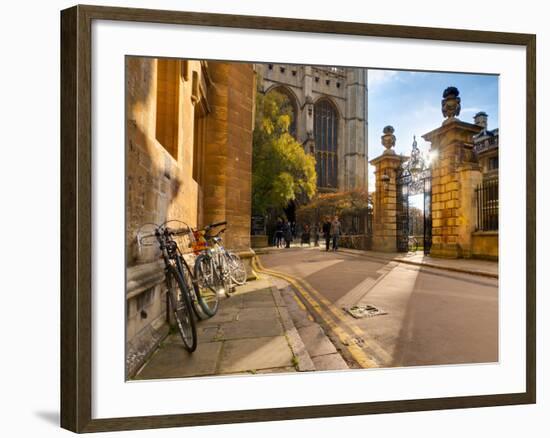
(76,217)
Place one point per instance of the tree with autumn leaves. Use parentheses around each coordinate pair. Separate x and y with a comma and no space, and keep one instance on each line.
(281,170)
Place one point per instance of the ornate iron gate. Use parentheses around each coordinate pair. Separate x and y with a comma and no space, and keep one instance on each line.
(414,177)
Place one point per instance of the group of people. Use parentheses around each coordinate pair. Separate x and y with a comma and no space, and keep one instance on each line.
(283,233)
(330,229)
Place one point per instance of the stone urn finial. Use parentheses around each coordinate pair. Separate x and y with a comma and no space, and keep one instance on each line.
(450,104)
(388,140)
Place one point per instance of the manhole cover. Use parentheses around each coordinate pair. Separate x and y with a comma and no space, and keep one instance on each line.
(364,310)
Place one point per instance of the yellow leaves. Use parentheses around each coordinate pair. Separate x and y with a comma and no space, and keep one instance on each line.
(281,169)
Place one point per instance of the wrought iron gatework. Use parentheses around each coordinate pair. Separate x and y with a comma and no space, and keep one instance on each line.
(487,206)
(368,242)
(414,177)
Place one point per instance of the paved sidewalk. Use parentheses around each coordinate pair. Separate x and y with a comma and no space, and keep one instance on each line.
(251,333)
(485,268)
(319,346)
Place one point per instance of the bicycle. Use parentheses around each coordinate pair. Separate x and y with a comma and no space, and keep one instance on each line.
(206,264)
(184,289)
(229,265)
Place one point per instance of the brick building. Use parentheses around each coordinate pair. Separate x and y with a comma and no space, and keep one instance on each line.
(188,157)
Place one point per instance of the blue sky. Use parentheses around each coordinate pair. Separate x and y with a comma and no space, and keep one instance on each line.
(411,103)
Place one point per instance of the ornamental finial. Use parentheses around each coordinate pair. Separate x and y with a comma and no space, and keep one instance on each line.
(450,104)
(388,140)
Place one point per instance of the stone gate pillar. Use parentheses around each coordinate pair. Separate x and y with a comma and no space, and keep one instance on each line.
(385,203)
(455,174)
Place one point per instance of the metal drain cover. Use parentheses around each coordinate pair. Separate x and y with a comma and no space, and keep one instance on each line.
(364,311)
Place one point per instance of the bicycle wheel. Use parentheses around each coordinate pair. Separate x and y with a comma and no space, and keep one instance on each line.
(180,306)
(208,284)
(224,272)
(237,268)
(193,292)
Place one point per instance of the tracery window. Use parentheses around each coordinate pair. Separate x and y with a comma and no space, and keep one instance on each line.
(326,144)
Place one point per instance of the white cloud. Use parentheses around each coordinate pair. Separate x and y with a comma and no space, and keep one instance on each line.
(469,110)
(377,77)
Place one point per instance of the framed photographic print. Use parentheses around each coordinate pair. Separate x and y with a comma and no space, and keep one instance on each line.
(268,218)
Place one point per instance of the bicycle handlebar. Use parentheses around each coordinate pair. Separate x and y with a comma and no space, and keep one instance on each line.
(178,231)
(215,235)
(214,225)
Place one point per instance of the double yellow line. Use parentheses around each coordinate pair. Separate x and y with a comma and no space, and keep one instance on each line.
(332,317)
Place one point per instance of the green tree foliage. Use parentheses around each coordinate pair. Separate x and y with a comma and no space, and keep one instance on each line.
(281,170)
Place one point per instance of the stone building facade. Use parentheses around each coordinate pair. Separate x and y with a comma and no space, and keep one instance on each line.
(486,147)
(188,157)
(330,108)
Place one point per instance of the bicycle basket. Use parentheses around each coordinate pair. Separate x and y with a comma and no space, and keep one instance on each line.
(199,243)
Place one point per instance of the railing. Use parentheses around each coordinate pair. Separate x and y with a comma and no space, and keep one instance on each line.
(487,206)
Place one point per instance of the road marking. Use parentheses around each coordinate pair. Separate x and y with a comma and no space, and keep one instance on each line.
(336,311)
(358,354)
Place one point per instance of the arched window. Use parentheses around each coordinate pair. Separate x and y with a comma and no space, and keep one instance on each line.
(326,144)
(290,103)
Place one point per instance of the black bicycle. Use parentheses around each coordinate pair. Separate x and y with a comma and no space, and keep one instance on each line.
(186,293)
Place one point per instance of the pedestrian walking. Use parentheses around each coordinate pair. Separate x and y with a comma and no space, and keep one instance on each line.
(326,232)
(287,233)
(279,233)
(335,231)
(306,236)
(317,232)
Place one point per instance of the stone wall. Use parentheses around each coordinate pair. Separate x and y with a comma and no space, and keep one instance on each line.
(485,245)
(188,157)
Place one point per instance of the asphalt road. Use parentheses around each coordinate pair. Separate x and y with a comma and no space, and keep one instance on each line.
(433,316)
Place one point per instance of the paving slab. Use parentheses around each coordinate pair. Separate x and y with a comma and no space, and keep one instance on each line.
(276,370)
(255,354)
(263,283)
(277,296)
(172,361)
(330,362)
(300,317)
(315,340)
(251,329)
(252,332)
(204,334)
(257,314)
(303,360)
(224,314)
(235,301)
(260,298)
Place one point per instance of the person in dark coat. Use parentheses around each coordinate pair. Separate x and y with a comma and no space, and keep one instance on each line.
(306,235)
(326,232)
(279,233)
(287,233)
